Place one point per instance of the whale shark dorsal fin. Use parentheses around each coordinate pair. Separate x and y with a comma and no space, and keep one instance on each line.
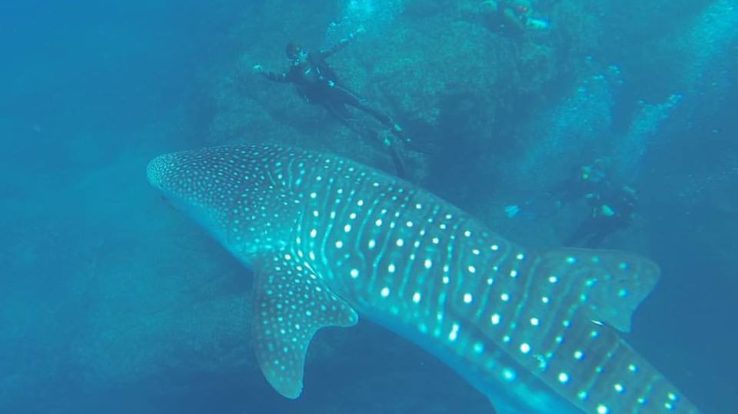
(611,283)
(291,303)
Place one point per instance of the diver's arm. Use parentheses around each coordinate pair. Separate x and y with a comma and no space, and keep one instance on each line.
(272,76)
(341,44)
(337,47)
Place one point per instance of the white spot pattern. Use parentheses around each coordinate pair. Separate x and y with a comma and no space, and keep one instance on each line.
(402,253)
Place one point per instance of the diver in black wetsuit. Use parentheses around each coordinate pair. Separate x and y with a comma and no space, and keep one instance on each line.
(318,83)
(611,212)
(584,182)
(612,207)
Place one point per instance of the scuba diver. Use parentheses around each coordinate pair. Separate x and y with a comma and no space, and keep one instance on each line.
(584,182)
(612,207)
(612,210)
(514,16)
(317,83)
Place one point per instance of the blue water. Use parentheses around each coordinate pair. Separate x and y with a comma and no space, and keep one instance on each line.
(112,301)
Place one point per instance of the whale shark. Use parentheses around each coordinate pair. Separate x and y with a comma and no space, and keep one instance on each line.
(330,240)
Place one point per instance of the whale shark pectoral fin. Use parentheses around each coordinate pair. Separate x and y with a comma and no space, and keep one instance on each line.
(611,283)
(291,303)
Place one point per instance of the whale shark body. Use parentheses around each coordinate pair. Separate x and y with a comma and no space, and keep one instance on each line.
(330,239)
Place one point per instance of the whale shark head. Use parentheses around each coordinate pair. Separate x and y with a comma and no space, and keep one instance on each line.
(237,195)
(248,198)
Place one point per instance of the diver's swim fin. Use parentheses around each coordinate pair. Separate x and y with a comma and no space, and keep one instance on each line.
(400,169)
